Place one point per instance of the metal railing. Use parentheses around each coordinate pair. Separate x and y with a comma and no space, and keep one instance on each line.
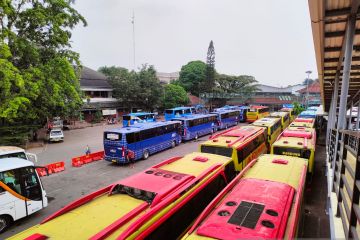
(344,154)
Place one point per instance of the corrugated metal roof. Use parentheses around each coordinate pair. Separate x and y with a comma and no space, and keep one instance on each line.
(329,20)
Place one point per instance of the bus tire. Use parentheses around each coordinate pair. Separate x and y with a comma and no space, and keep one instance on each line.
(196,137)
(146,154)
(226,126)
(173,144)
(5,222)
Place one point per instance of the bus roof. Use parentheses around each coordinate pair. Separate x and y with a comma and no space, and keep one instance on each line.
(139,114)
(280,176)
(179,108)
(307,114)
(225,111)
(286,110)
(194,116)
(302,124)
(10,149)
(258,107)
(113,211)
(234,137)
(295,142)
(266,122)
(287,171)
(140,126)
(278,114)
(13,163)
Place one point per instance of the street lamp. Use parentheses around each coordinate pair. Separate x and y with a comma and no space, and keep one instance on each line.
(307,87)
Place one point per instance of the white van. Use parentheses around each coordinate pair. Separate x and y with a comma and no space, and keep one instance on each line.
(21,191)
(11,151)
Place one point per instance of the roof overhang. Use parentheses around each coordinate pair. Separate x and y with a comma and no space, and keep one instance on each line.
(329,19)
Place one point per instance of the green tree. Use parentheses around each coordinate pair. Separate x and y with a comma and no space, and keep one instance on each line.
(150,91)
(37,74)
(174,96)
(298,108)
(140,89)
(235,84)
(192,76)
(124,84)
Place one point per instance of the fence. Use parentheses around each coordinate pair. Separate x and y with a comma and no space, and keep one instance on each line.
(343,151)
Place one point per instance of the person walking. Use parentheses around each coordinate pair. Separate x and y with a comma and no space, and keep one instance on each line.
(87,151)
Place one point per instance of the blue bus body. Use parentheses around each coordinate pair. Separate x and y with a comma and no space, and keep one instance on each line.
(307,114)
(243,110)
(131,143)
(178,112)
(227,118)
(197,125)
(139,117)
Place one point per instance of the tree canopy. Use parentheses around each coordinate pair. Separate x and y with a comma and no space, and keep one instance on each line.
(38,69)
(135,89)
(192,77)
(174,96)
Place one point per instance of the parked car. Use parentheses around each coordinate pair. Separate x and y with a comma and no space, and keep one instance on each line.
(56,135)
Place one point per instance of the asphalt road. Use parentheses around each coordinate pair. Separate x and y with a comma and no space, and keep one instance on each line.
(67,186)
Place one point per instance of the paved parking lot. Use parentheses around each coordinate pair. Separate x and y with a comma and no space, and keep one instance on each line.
(67,186)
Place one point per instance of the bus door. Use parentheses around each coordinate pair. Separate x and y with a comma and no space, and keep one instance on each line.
(11,199)
(31,187)
(21,193)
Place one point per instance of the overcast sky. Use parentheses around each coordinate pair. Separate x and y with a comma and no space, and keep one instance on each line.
(270,40)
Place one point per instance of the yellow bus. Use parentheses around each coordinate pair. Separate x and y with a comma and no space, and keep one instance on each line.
(242,144)
(273,128)
(263,202)
(158,203)
(291,113)
(285,118)
(303,122)
(297,143)
(256,112)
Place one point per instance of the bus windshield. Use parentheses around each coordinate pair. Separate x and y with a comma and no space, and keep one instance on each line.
(223,151)
(14,155)
(112,136)
(295,152)
(169,111)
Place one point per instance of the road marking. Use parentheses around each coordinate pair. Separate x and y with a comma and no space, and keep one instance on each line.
(100,174)
(56,190)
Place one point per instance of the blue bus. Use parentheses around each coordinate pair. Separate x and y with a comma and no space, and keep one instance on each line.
(139,117)
(227,118)
(197,125)
(178,112)
(243,110)
(138,141)
(307,114)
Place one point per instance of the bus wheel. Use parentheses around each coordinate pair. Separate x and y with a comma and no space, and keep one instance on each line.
(196,137)
(5,222)
(226,126)
(173,144)
(146,154)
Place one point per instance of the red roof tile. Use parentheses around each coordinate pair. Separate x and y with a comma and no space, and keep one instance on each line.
(313,88)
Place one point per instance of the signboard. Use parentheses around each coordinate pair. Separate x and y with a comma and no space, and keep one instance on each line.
(106,112)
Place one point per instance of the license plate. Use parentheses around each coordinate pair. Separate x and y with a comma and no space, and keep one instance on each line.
(114,160)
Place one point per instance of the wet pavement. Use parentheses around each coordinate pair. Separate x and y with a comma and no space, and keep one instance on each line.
(315,220)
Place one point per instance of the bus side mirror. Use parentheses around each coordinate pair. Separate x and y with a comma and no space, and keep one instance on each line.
(32,157)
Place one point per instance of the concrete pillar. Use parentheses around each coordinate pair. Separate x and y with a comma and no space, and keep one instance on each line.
(346,72)
(349,122)
(358,116)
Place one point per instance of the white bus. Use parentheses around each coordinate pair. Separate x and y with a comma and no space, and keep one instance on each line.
(11,151)
(21,191)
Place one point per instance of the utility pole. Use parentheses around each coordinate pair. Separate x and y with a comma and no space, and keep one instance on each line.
(133,28)
(307,87)
(210,71)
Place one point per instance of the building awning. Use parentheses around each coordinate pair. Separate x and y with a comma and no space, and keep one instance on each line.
(329,19)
